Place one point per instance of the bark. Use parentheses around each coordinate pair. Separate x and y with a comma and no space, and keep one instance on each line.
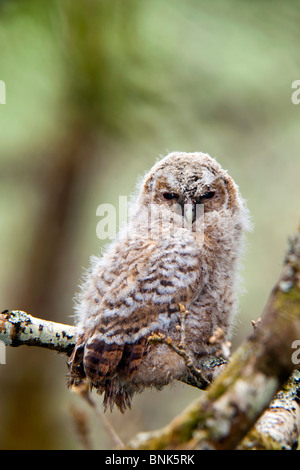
(279,426)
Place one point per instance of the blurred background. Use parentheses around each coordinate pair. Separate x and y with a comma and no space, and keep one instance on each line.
(96,91)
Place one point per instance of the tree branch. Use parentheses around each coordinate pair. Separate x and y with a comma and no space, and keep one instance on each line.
(279,426)
(17,328)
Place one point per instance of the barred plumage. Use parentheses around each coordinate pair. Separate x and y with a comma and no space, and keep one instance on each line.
(169,254)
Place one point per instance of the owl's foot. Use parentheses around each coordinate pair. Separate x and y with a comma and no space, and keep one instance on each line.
(218,339)
(183,313)
(198,378)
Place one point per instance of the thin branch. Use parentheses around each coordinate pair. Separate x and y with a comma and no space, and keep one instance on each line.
(18,328)
(198,378)
(83,391)
(80,419)
(201,374)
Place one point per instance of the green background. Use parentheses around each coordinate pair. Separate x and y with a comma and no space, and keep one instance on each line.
(96,91)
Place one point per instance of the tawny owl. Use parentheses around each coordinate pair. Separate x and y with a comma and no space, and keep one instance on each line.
(181,247)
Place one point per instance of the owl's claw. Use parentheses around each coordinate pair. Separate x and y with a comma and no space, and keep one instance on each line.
(183,312)
(218,338)
(198,378)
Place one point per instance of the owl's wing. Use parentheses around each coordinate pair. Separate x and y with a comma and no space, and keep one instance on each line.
(141,297)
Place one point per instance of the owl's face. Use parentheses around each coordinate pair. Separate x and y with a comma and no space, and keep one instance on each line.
(189,185)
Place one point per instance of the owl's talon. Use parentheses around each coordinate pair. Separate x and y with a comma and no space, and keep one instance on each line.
(182,315)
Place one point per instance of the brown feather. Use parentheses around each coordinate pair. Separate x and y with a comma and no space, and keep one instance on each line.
(101,360)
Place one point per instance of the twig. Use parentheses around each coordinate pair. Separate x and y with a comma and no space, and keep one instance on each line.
(83,391)
(80,421)
(199,380)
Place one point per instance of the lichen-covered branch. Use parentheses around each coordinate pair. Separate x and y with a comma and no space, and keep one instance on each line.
(279,426)
(17,328)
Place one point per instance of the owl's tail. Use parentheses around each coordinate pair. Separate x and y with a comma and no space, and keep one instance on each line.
(116,393)
(108,367)
(76,372)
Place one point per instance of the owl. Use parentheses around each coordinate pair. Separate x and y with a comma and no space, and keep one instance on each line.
(180,249)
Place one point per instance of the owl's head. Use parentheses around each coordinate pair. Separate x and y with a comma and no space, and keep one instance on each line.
(182,182)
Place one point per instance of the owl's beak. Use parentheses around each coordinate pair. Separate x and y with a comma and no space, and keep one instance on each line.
(190,212)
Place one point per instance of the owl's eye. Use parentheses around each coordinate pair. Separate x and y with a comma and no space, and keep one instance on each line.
(208,195)
(170,196)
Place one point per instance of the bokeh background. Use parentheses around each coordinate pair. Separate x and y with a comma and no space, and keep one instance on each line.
(96,91)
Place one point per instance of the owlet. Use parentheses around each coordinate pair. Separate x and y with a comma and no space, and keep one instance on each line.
(181,248)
